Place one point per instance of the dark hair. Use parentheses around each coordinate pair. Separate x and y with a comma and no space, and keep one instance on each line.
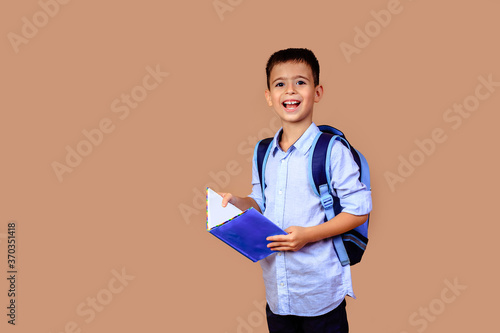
(294,55)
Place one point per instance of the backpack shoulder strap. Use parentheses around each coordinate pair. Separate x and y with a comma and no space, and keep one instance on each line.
(320,179)
(261,153)
(319,167)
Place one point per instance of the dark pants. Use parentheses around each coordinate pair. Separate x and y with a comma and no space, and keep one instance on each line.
(334,321)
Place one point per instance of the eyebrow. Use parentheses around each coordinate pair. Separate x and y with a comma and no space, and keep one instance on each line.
(293,78)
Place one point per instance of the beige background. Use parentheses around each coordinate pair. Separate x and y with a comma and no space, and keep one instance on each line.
(120,208)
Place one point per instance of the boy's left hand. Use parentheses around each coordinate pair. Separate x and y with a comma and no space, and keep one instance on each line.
(294,241)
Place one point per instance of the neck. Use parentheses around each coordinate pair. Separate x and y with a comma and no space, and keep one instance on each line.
(291,133)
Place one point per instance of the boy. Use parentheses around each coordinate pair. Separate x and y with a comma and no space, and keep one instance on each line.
(305,283)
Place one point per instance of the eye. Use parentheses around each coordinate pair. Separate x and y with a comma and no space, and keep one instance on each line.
(300,82)
(279,84)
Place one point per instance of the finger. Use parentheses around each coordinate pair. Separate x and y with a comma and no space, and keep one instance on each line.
(285,247)
(274,244)
(277,238)
(281,249)
(226,197)
(278,245)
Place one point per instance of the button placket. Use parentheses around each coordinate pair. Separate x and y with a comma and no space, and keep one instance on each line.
(282,283)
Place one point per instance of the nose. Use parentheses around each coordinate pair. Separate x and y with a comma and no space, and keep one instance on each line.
(290,89)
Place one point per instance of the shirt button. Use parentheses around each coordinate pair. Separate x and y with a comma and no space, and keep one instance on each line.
(280,192)
(282,284)
(279,253)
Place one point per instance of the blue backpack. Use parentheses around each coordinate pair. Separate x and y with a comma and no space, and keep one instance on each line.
(351,245)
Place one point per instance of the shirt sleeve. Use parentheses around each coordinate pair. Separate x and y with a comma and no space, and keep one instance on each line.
(256,187)
(354,197)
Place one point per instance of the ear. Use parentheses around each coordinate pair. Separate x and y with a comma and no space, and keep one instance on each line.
(267,93)
(318,93)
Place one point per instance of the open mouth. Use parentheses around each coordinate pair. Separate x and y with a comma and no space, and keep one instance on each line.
(291,104)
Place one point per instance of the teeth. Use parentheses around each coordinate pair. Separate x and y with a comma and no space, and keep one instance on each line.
(294,102)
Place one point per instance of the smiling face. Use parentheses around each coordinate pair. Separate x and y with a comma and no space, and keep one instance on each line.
(292,92)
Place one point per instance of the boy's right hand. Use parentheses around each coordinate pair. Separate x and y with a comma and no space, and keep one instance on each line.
(242,203)
(226,197)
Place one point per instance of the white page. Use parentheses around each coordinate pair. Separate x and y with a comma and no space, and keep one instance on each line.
(216,214)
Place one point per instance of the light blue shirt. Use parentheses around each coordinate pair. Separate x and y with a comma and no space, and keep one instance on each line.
(311,281)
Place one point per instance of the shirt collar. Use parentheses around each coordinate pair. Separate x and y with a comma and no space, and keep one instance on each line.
(303,144)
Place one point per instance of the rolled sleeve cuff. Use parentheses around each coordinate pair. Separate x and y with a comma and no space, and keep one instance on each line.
(257,196)
(357,203)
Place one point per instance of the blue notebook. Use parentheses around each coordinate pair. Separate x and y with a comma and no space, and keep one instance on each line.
(245,231)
